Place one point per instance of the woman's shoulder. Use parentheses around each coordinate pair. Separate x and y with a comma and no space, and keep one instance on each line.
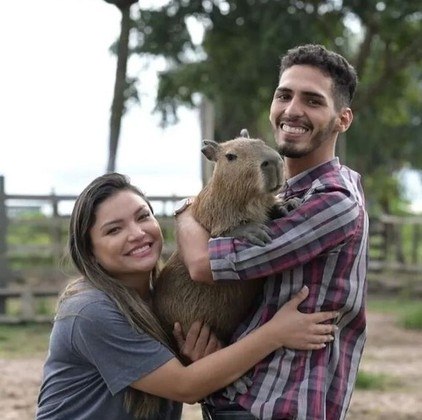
(85,299)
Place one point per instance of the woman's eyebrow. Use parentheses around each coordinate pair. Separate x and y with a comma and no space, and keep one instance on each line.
(114,221)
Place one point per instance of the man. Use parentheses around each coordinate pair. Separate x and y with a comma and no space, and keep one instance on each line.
(321,244)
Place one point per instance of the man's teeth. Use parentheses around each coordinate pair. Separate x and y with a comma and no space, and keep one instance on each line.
(139,250)
(293,130)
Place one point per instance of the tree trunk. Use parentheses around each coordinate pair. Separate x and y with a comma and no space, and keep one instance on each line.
(117,107)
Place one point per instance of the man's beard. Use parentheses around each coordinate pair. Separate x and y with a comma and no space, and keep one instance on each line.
(292,150)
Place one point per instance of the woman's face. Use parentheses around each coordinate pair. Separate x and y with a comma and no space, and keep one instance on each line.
(126,238)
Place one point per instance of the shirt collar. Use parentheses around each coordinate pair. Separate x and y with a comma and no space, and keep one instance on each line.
(304,180)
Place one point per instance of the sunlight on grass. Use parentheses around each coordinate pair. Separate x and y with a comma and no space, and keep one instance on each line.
(374,381)
(409,312)
(26,340)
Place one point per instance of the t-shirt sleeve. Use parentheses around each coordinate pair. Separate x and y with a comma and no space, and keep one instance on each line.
(102,335)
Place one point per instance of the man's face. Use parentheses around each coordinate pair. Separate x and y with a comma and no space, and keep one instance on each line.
(303,114)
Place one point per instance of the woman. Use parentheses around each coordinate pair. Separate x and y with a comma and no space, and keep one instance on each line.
(108,357)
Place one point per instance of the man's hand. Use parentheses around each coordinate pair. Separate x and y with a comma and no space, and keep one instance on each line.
(198,343)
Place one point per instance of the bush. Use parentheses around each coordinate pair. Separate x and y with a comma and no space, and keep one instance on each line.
(367,381)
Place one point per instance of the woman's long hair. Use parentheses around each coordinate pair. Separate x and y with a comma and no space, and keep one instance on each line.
(136,311)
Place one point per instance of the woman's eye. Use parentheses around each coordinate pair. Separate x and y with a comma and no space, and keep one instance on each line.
(113,230)
(143,216)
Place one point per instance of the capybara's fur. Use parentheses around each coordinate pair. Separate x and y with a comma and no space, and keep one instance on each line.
(242,189)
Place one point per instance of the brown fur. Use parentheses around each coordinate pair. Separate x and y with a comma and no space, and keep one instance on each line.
(241,190)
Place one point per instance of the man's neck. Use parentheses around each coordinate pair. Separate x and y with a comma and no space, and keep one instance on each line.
(295,166)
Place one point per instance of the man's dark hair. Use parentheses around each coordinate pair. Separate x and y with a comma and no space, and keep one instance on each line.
(328,62)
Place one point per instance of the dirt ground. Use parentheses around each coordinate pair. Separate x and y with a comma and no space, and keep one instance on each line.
(389,350)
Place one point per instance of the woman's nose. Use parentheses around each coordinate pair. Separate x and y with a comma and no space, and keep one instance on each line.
(135,232)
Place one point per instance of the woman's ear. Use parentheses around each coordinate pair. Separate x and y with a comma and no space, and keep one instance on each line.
(344,119)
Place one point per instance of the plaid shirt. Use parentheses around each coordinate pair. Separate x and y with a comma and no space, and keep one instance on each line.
(321,244)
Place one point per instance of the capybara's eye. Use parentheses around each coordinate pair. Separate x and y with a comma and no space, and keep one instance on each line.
(231,156)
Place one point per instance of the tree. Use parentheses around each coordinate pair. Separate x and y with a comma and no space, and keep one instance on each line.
(235,65)
(121,82)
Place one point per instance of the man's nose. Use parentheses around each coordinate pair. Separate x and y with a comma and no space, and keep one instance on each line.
(293,108)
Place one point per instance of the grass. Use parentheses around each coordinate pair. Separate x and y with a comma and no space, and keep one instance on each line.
(408,311)
(42,306)
(32,339)
(25,340)
(374,381)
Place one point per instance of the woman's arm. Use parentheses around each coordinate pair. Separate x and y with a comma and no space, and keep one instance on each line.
(288,328)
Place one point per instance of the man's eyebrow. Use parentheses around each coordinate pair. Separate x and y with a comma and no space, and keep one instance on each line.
(314,95)
(283,89)
(307,93)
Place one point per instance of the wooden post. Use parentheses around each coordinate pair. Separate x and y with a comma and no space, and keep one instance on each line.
(207,118)
(415,243)
(56,235)
(28,305)
(4,270)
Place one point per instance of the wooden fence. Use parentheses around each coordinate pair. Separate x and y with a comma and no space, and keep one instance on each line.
(395,246)
(45,213)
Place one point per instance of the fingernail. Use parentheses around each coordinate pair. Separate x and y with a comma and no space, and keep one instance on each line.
(335,328)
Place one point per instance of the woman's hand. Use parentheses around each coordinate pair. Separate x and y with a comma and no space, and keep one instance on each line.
(302,331)
(199,342)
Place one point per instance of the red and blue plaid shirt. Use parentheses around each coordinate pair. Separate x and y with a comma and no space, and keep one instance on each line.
(321,244)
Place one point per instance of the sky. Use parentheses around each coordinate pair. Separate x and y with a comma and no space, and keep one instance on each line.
(56,88)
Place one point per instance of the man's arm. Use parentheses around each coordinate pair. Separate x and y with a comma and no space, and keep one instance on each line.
(192,242)
(326,220)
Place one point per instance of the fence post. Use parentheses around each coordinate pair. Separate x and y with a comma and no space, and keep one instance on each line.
(4,269)
(55,227)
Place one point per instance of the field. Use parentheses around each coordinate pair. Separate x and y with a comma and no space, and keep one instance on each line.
(388,387)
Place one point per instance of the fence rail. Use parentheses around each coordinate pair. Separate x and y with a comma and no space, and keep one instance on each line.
(27,310)
(395,245)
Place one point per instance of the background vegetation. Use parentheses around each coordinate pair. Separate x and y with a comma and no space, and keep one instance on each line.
(235,66)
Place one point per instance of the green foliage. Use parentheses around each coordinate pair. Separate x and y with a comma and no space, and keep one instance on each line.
(24,340)
(412,319)
(384,193)
(31,240)
(409,312)
(374,381)
(236,64)
(42,306)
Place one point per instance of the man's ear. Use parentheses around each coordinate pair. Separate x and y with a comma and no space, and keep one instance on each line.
(344,119)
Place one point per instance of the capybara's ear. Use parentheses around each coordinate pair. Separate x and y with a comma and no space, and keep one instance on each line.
(244,133)
(210,149)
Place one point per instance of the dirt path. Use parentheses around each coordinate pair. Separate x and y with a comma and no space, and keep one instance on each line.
(389,350)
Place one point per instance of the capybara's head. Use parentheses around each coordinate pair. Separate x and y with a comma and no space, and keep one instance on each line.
(250,164)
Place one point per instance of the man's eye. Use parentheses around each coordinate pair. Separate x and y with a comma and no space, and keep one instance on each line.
(283,96)
(314,102)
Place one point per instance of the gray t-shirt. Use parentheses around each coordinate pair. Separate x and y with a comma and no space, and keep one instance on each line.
(94,355)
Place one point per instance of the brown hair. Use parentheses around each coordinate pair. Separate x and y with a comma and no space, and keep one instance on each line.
(328,62)
(137,313)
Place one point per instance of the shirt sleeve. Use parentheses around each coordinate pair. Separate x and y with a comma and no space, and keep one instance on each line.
(102,336)
(327,219)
